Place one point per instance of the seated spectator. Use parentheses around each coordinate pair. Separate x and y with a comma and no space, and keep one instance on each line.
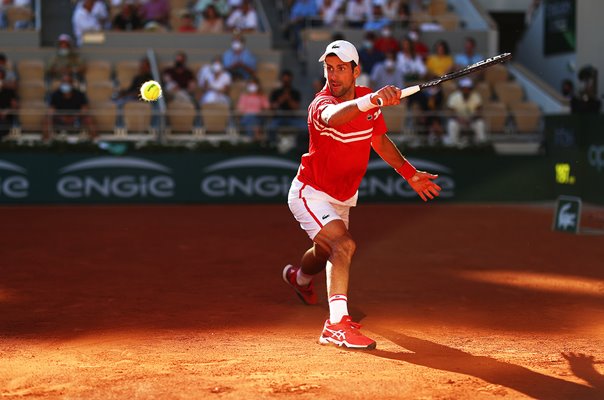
(284,103)
(369,56)
(440,62)
(387,73)
(20,24)
(238,60)
(87,17)
(179,81)
(386,43)
(567,89)
(252,103)
(133,91)
(469,55)
(187,24)
(430,101)
(390,9)
(332,14)
(357,12)
(68,110)
(243,18)
(466,105)
(215,83)
(66,60)
(301,15)
(221,6)
(378,21)
(411,64)
(157,11)
(421,49)
(211,22)
(128,19)
(8,106)
(10,78)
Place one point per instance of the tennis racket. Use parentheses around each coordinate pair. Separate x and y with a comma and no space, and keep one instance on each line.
(408,91)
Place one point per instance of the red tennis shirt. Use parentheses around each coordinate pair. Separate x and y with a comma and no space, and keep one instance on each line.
(337,157)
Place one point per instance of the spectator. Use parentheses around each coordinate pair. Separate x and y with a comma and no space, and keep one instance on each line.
(157,11)
(369,56)
(378,21)
(250,106)
(66,60)
(403,15)
(390,9)
(8,106)
(211,22)
(238,60)
(86,19)
(420,47)
(215,83)
(357,12)
(331,14)
(179,80)
(186,23)
(128,19)
(20,24)
(430,101)
(221,6)
(469,55)
(10,79)
(568,89)
(409,62)
(441,61)
(285,103)
(68,110)
(385,42)
(301,15)
(466,105)
(243,18)
(143,75)
(387,73)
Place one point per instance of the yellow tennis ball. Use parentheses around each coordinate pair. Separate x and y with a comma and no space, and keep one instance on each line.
(150,91)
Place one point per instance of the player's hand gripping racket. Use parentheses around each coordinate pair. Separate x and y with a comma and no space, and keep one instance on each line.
(408,91)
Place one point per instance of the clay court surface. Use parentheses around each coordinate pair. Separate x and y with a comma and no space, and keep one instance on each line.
(187,302)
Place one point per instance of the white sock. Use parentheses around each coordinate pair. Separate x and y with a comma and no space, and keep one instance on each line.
(303,279)
(338,308)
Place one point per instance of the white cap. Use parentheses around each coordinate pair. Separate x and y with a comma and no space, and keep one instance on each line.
(63,37)
(343,49)
(466,83)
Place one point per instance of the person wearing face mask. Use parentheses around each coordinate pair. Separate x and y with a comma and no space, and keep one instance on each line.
(239,60)
(250,106)
(285,104)
(357,12)
(387,73)
(369,56)
(379,21)
(386,42)
(179,80)
(66,60)
(215,83)
(8,105)
(133,91)
(68,110)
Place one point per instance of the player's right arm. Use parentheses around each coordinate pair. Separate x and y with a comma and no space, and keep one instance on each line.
(339,114)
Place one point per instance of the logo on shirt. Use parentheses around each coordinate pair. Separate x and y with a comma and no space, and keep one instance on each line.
(325,216)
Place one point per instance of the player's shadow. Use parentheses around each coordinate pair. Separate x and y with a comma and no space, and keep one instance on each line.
(433,355)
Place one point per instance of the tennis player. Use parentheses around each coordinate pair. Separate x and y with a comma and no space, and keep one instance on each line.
(344,122)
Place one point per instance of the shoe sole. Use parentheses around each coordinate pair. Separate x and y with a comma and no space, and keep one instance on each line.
(284,275)
(342,343)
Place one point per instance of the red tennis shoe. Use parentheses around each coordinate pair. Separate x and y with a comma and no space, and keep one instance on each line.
(346,333)
(305,293)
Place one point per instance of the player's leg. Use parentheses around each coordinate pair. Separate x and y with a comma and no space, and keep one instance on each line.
(339,329)
(314,260)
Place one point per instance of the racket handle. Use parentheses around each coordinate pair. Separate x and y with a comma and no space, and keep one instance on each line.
(406,92)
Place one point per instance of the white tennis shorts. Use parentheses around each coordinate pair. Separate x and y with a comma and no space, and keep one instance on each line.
(314,209)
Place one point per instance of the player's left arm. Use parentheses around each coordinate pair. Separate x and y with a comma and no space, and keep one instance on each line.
(420,181)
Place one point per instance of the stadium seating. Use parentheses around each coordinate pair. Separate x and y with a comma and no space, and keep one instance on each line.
(137,119)
(182,116)
(509,92)
(125,71)
(31,118)
(99,91)
(32,90)
(98,70)
(30,70)
(104,115)
(526,116)
(216,119)
(495,115)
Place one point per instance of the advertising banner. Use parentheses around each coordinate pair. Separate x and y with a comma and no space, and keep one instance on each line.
(252,178)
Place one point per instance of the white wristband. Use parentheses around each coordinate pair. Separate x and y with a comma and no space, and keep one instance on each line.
(364,103)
